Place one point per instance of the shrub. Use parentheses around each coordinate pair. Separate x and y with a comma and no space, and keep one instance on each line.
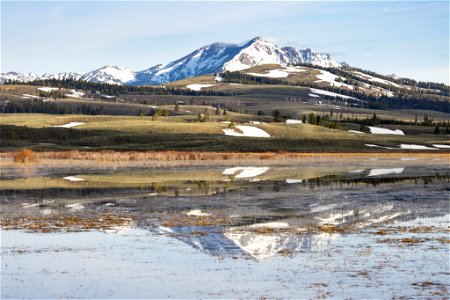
(24,156)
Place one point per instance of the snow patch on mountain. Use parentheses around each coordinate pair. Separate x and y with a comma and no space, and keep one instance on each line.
(374,79)
(330,78)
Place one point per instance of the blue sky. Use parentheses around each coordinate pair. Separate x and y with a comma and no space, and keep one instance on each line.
(406,38)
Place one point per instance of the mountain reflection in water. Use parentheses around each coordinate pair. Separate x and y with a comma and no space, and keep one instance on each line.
(243,211)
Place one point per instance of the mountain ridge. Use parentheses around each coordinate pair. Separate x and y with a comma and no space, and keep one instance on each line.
(212,58)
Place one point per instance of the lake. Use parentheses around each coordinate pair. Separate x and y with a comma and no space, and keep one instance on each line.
(320,228)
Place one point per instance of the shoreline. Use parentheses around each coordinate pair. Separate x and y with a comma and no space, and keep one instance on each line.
(110,156)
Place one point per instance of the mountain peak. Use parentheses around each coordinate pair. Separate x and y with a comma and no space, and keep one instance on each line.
(258,38)
(110,74)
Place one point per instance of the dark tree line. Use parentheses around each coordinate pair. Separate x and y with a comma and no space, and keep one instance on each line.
(38,106)
(116,90)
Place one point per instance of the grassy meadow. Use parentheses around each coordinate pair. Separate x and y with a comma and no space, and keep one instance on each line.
(183,133)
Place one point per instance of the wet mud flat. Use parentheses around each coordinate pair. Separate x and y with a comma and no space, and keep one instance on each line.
(304,230)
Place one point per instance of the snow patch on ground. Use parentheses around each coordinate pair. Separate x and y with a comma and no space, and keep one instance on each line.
(379,130)
(355,131)
(47,89)
(198,87)
(75,94)
(27,96)
(373,146)
(293,121)
(415,147)
(245,172)
(441,146)
(247,131)
(70,125)
(291,181)
(331,94)
(357,170)
(73,178)
(378,172)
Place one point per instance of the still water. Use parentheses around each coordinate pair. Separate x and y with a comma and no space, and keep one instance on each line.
(371,229)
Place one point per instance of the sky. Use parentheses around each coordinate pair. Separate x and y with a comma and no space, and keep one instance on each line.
(409,39)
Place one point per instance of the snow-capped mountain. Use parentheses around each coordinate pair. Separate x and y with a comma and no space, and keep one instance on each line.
(220,57)
(209,59)
(110,74)
(25,77)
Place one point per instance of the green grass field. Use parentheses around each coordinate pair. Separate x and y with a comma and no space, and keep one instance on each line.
(183,133)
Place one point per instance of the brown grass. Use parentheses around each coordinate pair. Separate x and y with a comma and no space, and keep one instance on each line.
(66,222)
(286,253)
(411,240)
(182,220)
(444,241)
(381,232)
(422,229)
(25,156)
(333,229)
(426,283)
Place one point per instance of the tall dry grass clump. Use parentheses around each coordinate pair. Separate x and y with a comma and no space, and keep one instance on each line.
(162,156)
(25,156)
